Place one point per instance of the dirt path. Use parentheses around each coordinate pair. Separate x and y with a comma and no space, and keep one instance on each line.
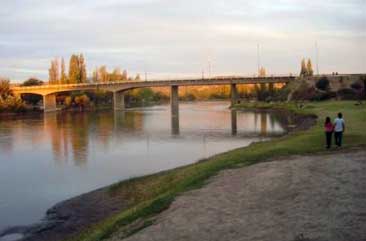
(300,198)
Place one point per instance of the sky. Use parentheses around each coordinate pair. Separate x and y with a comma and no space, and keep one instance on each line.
(182,38)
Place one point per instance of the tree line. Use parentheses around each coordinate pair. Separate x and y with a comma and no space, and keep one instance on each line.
(77,72)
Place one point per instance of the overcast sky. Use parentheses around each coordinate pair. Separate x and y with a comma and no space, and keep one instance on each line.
(170,38)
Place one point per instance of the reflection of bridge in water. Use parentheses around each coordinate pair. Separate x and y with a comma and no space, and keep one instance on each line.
(118,89)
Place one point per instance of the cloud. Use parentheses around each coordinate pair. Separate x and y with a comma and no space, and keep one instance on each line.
(179,36)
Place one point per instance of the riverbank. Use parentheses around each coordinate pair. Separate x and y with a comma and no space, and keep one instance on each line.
(154,193)
(296,198)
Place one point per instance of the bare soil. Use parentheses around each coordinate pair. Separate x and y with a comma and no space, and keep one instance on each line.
(313,198)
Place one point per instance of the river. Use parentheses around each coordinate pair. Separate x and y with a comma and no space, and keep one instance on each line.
(49,158)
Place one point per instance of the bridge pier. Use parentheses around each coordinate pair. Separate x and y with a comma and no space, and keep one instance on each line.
(118,100)
(49,103)
(234,119)
(174,106)
(233,94)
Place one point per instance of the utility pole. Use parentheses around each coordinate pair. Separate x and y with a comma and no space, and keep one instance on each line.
(209,69)
(145,76)
(258,59)
(317,57)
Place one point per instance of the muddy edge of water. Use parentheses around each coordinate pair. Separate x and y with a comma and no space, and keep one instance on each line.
(69,217)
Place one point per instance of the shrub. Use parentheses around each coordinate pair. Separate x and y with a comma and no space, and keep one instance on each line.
(5,90)
(11,104)
(356,85)
(322,84)
(347,94)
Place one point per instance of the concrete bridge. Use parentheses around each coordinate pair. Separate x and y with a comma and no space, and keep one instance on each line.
(118,88)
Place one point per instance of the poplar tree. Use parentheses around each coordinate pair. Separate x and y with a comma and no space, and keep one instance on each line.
(124,75)
(82,69)
(53,72)
(74,70)
(138,78)
(63,79)
(95,75)
(103,74)
(303,71)
(309,68)
(262,72)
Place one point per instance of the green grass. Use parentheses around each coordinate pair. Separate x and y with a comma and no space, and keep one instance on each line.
(152,194)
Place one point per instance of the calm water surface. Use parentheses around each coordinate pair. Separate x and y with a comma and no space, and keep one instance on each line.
(50,158)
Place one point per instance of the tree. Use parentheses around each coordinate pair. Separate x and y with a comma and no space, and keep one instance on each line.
(68,101)
(82,101)
(322,83)
(95,75)
(303,71)
(103,74)
(116,75)
(63,79)
(53,72)
(124,75)
(82,68)
(309,68)
(262,72)
(5,90)
(32,82)
(74,70)
(137,78)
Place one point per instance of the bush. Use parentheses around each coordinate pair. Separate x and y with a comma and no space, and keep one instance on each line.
(319,96)
(348,94)
(322,84)
(5,90)
(356,85)
(304,92)
(12,104)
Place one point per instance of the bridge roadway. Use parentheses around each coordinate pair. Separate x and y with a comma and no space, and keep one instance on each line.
(118,88)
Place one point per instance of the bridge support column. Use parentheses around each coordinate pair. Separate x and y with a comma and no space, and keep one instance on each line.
(118,101)
(234,126)
(174,105)
(49,103)
(234,94)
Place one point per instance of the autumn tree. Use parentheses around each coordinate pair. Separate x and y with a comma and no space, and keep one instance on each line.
(74,70)
(82,68)
(124,75)
(5,90)
(103,74)
(306,68)
(63,79)
(53,72)
(116,75)
(309,68)
(95,77)
(262,72)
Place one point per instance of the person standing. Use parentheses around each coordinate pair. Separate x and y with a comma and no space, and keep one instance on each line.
(328,127)
(339,128)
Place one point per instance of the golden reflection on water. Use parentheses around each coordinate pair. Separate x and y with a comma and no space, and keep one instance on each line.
(70,134)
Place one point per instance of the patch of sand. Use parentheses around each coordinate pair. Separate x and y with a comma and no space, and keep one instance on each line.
(313,198)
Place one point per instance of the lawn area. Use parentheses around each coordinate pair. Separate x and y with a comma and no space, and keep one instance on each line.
(151,194)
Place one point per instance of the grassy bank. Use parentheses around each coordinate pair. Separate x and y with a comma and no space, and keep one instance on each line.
(151,194)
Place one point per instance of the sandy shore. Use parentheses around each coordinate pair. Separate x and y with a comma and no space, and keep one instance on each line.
(317,198)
